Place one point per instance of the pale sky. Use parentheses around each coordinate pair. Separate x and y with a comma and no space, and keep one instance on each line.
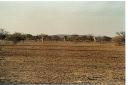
(78,17)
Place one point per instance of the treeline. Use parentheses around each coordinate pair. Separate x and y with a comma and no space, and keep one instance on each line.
(17,37)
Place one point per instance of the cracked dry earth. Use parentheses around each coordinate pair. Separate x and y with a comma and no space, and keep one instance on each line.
(63,63)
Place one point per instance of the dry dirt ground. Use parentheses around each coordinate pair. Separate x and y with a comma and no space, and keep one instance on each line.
(55,62)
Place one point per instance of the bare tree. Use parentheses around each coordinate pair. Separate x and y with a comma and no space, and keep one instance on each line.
(3,34)
(120,38)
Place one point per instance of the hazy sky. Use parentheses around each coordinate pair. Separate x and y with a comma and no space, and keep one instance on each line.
(98,18)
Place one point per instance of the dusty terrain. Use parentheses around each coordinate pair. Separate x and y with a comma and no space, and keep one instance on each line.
(63,62)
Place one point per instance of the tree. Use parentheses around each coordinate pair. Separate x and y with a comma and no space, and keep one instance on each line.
(90,37)
(74,37)
(28,37)
(120,38)
(16,37)
(3,34)
(55,37)
(106,38)
(43,37)
(103,39)
(65,38)
(83,38)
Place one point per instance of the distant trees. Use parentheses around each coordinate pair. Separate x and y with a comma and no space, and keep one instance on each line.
(55,38)
(74,37)
(28,37)
(65,38)
(83,38)
(16,37)
(90,38)
(120,38)
(43,37)
(103,39)
(107,38)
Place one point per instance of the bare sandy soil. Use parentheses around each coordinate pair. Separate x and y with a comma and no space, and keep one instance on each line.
(56,62)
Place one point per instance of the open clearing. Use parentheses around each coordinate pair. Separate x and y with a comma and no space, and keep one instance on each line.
(55,62)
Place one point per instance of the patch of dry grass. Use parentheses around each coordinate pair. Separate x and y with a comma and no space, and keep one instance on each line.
(62,63)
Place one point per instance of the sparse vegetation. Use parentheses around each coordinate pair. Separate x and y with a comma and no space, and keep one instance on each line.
(17,37)
(63,62)
(59,60)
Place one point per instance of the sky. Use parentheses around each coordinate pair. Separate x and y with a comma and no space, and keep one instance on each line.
(63,17)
